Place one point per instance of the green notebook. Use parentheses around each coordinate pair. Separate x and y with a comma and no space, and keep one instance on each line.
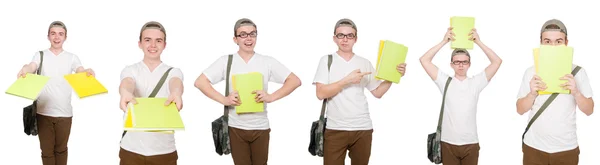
(390,55)
(29,87)
(555,62)
(245,84)
(462,26)
(151,114)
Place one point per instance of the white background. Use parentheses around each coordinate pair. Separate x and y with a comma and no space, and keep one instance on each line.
(105,35)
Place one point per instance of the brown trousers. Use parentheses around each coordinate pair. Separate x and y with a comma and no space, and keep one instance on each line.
(532,156)
(337,142)
(460,155)
(249,147)
(130,158)
(53,133)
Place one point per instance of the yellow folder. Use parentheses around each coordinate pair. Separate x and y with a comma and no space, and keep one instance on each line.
(554,62)
(536,55)
(245,84)
(151,115)
(29,87)
(390,55)
(462,26)
(84,85)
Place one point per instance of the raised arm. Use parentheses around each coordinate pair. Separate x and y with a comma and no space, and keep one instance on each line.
(426,59)
(495,61)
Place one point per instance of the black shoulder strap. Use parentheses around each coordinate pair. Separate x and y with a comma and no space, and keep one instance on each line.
(225,108)
(160,83)
(546,104)
(439,126)
(324,106)
(39,70)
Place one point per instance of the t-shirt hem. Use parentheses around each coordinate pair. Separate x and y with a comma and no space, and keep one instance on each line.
(552,151)
(249,128)
(350,129)
(149,153)
(460,143)
(55,115)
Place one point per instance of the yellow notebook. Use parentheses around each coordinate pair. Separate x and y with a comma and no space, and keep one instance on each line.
(462,26)
(151,115)
(29,87)
(536,55)
(390,55)
(554,62)
(245,84)
(85,85)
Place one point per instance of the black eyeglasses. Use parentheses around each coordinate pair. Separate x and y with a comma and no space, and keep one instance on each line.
(461,62)
(244,34)
(349,36)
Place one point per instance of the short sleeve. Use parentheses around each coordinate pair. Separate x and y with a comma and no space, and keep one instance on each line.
(441,79)
(278,72)
(322,74)
(127,72)
(372,83)
(175,73)
(525,89)
(36,58)
(583,83)
(481,81)
(216,71)
(75,63)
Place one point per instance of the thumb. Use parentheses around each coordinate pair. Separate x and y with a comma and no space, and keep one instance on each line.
(133,101)
(169,100)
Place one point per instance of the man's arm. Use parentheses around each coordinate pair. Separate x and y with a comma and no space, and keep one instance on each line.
(495,61)
(88,70)
(176,92)
(290,84)
(381,89)
(524,104)
(126,90)
(586,105)
(27,68)
(207,89)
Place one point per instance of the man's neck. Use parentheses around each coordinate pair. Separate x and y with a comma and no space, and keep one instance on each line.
(345,55)
(460,77)
(152,63)
(246,55)
(56,51)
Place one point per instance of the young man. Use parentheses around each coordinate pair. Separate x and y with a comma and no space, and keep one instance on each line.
(552,138)
(55,113)
(460,144)
(348,125)
(248,132)
(139,80)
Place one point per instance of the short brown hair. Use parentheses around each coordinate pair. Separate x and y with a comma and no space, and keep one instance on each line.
(460,51)
(242,22)
(153,25)
(345,22)
(57,24)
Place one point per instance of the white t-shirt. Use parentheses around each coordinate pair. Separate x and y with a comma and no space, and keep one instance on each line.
(555,129)
(348,110)
(272,71)
(149,143)
(55,98)
(459,125)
